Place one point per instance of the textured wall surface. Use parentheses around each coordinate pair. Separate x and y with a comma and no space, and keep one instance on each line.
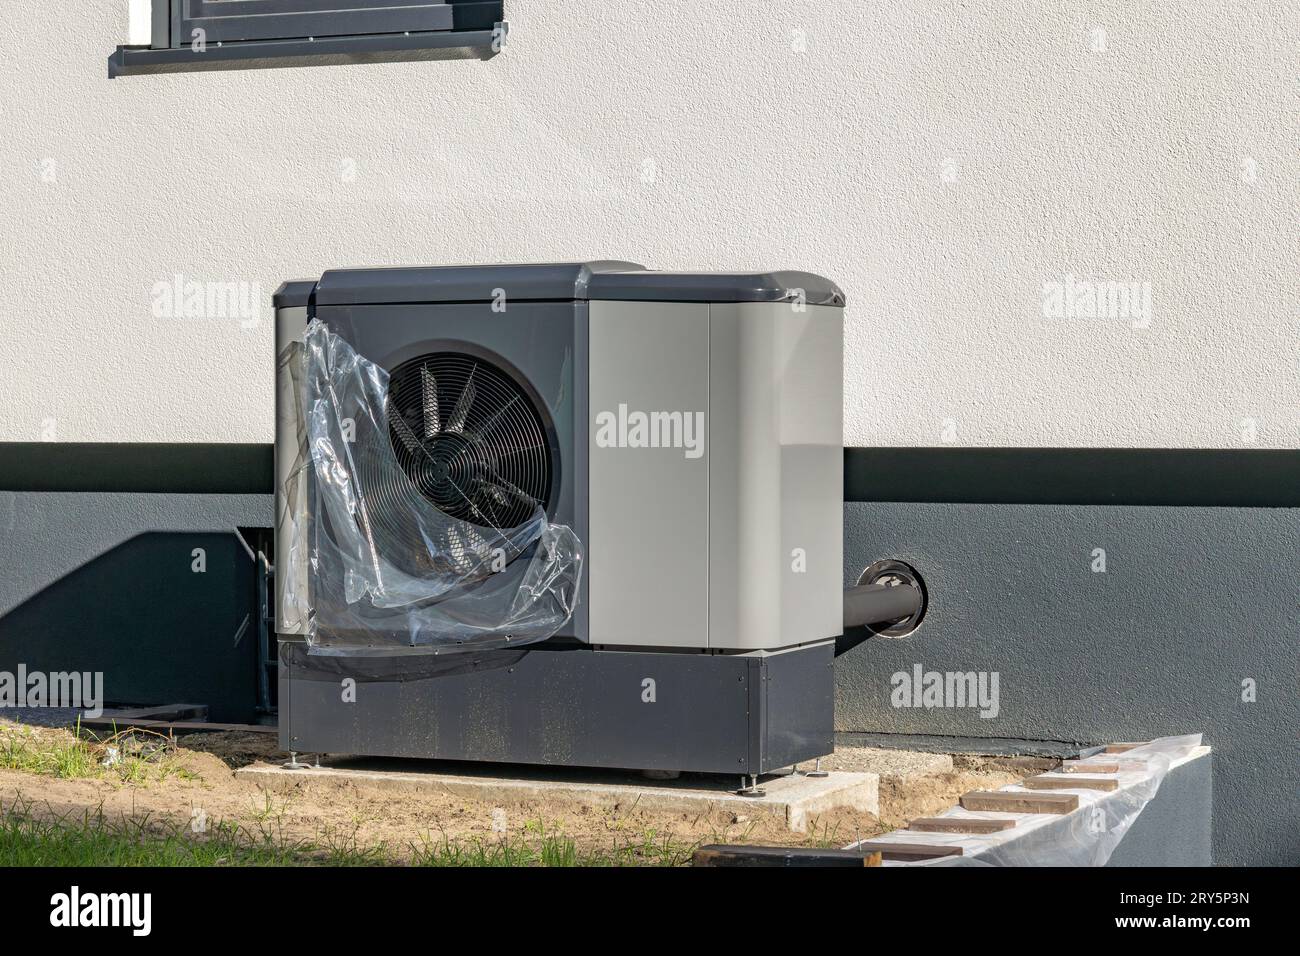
(942,161)
(1192,628)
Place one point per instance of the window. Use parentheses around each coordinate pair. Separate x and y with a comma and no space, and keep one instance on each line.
(176,35)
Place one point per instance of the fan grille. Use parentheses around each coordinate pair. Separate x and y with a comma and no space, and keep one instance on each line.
(470,439)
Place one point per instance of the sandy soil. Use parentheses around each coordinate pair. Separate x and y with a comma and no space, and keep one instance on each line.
(359,816)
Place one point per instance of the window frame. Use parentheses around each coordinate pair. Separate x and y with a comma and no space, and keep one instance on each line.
(243,34)
(234,21)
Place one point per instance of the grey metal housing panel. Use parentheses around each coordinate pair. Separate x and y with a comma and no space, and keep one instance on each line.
(610,280)
(535,339)
(648,507)
(292,580)
(798,712)
(776,517)
(782,286)
(294,293)
(577,707)
(563,281)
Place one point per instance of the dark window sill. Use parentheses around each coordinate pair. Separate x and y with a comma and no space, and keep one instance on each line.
(322,51)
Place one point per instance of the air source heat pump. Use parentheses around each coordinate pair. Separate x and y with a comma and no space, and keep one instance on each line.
(654,462)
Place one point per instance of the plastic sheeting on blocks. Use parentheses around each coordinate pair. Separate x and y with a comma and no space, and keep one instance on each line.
(1086,837)
(387,570)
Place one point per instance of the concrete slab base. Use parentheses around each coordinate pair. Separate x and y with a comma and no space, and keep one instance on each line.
(793,799)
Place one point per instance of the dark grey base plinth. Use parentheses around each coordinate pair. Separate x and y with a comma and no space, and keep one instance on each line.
(570,707)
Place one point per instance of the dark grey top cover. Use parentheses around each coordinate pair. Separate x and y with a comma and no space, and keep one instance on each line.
(569,281)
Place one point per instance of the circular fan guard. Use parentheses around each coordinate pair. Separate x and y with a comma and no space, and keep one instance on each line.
(470,439)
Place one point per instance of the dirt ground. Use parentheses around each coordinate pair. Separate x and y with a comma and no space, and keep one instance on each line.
(202,786)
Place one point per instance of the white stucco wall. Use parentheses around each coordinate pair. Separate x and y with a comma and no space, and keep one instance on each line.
(940,160)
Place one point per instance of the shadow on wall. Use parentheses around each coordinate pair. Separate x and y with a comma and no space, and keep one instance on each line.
(166,617)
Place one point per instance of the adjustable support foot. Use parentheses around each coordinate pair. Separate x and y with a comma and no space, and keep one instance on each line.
(294,763)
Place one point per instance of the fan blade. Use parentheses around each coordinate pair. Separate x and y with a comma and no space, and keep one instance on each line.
(494,498)
(460,413)
(432,416)
(404,431)
(497,494)
(502,486)
(468,542)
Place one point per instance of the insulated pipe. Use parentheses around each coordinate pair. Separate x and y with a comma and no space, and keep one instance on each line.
(889,600)
(868,604)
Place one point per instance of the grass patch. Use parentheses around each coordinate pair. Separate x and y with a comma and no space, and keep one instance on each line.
(28,838)
(540,848)
(132,756)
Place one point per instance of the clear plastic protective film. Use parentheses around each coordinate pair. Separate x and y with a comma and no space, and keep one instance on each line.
(389,571)
(1086,837)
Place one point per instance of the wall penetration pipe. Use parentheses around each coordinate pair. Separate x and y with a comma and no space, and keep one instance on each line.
(868,604)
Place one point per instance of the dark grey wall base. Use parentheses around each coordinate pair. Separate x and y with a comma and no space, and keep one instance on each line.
(1176,828)
(1168,477)
(577,707)
(108,582)
(1191,628)
(158,468)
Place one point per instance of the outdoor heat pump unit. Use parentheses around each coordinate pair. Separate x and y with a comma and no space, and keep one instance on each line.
(579,514)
